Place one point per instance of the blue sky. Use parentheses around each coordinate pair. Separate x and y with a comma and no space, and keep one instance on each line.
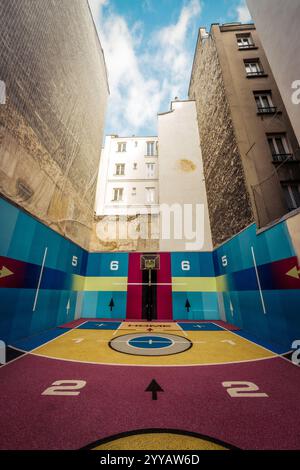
(149,47)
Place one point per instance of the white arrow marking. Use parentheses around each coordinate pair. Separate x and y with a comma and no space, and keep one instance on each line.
(78,340)
(229,342)
(68,307)
(231,308)
(198,326)
(100,324)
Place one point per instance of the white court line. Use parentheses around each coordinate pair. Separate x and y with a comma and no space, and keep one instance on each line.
(184,332)
(26,353)
(40,280)
(258,281)
(147,283)
(115,332)
(259,345)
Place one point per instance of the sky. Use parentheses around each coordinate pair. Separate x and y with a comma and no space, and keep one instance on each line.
(149,48)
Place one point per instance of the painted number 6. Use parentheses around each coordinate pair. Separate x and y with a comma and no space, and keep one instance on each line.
(185,266)
(65,388)
(114,265)
(243,390)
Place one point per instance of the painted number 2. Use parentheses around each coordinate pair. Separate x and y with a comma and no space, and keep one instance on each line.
(243,390)
(65,388)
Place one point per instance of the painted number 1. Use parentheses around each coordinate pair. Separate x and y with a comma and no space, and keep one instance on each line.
(243,390)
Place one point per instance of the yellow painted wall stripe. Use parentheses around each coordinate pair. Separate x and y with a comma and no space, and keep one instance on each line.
(115,284)
(194,284)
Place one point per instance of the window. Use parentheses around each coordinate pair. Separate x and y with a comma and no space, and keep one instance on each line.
(135,166)
(292,195)
(150,170)
(118,194)
(133,192)
(280,148)
(121,146)
(150,149)
(253,68)
(264,102)
(150,195)
(245,41)
(120,169)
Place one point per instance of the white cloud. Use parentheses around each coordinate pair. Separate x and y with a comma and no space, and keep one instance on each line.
(143,79)
(243,13)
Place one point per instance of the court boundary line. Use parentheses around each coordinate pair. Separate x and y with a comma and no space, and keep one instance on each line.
(26,353)
(263,347)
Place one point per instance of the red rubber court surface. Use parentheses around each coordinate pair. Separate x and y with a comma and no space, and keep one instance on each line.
(38,412)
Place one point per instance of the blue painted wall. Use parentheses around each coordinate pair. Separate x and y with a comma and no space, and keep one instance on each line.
(265,303)
(25,239)
(228,274)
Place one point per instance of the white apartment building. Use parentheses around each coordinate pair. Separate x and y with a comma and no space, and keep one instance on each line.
(161,176)
(128,176)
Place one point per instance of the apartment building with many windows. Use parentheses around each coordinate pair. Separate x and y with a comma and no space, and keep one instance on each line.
(128,175)
(250,151)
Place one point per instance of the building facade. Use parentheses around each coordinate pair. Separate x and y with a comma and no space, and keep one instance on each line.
(52,117)
(148,187)
(181,180)
(128,175)
(127,211)
(249,148)
(282,50)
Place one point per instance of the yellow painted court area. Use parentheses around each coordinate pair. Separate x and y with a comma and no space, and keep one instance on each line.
(209,347)
(160,441)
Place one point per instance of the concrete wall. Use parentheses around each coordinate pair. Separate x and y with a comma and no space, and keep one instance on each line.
(51,126)
(181,178)
(228,199)
(277,23)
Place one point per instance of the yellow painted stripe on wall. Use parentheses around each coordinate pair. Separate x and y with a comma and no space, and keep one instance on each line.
(222,284)
(194,284)
(118,284)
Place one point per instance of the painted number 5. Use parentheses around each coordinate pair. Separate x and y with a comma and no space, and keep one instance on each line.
(243,390)
(65,388)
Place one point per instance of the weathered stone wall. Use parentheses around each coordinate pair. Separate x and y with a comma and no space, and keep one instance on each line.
(228,199)
(51,126)
(126,233)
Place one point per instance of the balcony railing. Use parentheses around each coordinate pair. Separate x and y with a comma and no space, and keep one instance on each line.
(283,157)
(258,73)
(267,109)
(247,46)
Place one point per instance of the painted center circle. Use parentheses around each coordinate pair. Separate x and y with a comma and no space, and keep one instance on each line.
(150,342)
(143,344)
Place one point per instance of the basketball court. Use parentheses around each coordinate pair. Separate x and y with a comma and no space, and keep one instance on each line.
(148,385)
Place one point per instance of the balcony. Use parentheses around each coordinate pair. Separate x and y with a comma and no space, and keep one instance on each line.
(258,73)
(267,110)
(283,157)
(247,47)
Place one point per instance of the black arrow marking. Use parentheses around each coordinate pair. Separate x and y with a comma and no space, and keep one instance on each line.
(154,387)
(187,305)
(111,304)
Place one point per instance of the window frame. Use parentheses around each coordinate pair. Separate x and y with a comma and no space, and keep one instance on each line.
(119,192)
